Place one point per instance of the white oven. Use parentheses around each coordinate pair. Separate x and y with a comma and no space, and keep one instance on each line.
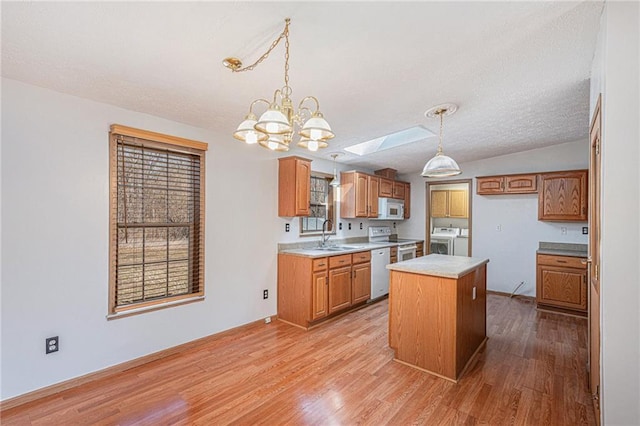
(406,252)
(442,245)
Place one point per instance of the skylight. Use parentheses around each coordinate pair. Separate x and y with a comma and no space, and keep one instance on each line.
(393,140)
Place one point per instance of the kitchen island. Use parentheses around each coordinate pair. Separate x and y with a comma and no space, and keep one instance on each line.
(437,312)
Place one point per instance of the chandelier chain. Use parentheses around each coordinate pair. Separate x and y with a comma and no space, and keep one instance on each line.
(283,34)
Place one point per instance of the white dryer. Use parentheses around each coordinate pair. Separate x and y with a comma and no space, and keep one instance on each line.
(442,240)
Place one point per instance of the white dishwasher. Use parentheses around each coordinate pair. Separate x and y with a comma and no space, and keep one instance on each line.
(380,258)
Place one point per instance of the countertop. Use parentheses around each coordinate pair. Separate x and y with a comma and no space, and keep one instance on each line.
(315,252)
(562,249)
(439,265)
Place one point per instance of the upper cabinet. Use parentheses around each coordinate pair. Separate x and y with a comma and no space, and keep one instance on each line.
(407,200)
(386,188)
(398,190)
(358,195)
(450,203)
(563,196)
(294,186)
(507,184)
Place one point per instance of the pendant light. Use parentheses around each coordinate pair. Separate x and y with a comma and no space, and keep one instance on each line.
(441,165)
(335,182)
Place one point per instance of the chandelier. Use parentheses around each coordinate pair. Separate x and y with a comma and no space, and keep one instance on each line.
(276,126)
(441,165)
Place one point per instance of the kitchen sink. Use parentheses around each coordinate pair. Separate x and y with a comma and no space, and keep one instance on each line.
(352,247)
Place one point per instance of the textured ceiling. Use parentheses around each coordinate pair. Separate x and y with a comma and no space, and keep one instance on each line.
(517,70)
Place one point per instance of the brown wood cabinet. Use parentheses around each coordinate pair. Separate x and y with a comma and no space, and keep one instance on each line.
(294,186)
(561,283)
(407,200)
(450,203)
(386,188)
(398,190)
(358,195)
(393,255)
(507,184)
(310,290)
(361,284)
(420,249)
(563,196)
(437,324)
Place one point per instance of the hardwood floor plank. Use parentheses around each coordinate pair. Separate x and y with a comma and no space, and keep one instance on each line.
(532,371)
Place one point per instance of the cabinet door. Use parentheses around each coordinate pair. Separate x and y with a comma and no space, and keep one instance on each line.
(458,204)
(563,196)
(362,184)
(319,295)
(303,188)
(521,184)
(439,203)
(490,185)
(374,184)
(361,285)
(386,188)
(398,190)
(407,200)
(562,287)
(339,289)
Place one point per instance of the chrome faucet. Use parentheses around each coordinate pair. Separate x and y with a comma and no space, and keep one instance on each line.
(325,239)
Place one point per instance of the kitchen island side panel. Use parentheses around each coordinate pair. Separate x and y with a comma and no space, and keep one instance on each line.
(422,321)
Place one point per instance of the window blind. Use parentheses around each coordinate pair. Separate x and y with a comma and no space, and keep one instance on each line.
(157,222)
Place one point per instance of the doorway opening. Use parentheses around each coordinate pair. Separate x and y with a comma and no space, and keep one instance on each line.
(448,219)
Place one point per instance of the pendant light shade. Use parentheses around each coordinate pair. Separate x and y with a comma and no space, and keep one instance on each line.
(441,165)
(273,121)
(316,128)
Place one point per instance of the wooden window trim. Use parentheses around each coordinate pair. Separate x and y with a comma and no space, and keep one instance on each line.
(331,208)
(148,139)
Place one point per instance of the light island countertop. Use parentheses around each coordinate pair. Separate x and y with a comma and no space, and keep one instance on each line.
(439,265)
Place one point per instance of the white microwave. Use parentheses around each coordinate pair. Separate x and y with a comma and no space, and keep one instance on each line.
(390,209)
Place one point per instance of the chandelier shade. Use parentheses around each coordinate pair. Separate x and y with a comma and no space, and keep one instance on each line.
(246,131)
(276,127)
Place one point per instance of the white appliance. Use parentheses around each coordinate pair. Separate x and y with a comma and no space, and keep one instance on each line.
(390,209)
(379,272)
(406,251)
(442,240)
(461,243)
(381,234)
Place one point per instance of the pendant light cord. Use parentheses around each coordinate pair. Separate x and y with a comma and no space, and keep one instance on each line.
(440,113)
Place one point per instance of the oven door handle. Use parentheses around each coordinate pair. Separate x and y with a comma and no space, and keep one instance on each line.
(407,248)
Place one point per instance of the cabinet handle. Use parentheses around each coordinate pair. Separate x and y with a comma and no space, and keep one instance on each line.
(561,261)
(320,264)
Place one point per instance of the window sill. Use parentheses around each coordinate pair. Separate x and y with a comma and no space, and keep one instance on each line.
(155,307)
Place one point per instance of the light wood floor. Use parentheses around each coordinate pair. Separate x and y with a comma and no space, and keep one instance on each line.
(533,371)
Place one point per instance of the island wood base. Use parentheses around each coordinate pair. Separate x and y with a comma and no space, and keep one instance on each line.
(435,324)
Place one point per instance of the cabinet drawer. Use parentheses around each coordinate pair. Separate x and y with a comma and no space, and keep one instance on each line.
(565,261)
(320,264)
(394,251)
(338,261)
(363,256)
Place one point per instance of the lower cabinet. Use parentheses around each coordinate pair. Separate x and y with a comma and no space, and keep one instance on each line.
(361,282)
(339,288)
(561,283)
(310,290)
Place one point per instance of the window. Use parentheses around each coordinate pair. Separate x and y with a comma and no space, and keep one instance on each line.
(156,220)
(322,207)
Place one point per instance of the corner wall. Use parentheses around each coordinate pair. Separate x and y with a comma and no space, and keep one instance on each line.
(511,251)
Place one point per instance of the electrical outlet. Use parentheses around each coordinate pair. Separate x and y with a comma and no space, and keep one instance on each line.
(394,225)
(52,344)
(267,320)
(287,227)
(585,230)
(340,226)
(265,294)
(360,225)
(563,230)
(349,227)
(499,228)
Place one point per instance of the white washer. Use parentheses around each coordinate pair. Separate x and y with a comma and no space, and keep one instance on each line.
(442,240)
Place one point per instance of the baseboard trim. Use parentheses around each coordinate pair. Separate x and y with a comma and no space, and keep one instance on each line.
(118,368)
(520,296)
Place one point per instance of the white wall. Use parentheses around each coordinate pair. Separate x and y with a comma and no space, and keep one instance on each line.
(55,240)
(615,74)
(511,251)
